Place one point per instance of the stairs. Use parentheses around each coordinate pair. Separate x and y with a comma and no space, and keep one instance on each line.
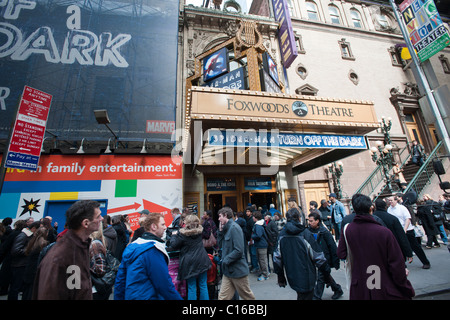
(418,179)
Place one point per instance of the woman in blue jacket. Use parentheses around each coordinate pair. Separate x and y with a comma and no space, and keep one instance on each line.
(143,273)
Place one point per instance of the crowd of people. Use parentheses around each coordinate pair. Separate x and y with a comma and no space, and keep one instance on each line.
(97,257)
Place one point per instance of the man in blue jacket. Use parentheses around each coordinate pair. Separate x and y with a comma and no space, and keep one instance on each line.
(337,214)
(143,273)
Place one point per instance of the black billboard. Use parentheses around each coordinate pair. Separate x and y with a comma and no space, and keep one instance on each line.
(115,55)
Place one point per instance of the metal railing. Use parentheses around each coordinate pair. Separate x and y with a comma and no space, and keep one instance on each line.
(426,172)
(377,177)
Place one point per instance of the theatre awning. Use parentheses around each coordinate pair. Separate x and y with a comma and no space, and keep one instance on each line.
(310,131)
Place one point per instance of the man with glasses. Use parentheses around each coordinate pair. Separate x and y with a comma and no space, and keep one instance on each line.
(403,215)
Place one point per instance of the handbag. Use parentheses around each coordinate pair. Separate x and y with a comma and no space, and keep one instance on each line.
(348,262)
(418,232)
(211,242)
(104,284)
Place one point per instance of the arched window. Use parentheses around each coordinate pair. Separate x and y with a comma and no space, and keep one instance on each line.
(383,20)
(356,18)
(334,14)
(313,13)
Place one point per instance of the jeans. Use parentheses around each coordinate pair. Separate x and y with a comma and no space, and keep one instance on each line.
(253,257)
(443,234)
(418,161)
(202,285)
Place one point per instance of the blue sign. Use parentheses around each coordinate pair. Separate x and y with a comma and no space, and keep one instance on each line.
(258,183)
(253,138)
(232,80)
(21,161)
(215,64)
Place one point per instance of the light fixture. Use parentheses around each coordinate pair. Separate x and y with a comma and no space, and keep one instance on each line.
(144,147)
(42,147)
(81,150)
(102,117)
(108,148)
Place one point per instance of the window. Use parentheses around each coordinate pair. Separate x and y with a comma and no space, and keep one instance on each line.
(334,14)
(396,59)
(383,20)
(291,8)
(353,77)
(445,63)
(299,43)
(302,71)
(346,51)
(356,18)
(311,8)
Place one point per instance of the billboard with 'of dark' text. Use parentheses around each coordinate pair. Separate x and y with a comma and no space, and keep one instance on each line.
(114,55)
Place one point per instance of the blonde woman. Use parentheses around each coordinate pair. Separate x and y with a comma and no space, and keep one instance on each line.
(194,260)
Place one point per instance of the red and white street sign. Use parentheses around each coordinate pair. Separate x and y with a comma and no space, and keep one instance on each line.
(29,129)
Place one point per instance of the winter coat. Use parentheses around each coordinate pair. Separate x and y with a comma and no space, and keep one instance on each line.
(143,273)
(110,235)
(298,254)
(19,259)
(234,262)
(326,242)
(56,267)
(194,259)
(377,260)
(259,235)
(396,228)
(425,214)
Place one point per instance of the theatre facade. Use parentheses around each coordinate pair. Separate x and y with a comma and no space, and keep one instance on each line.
(263,112)
(245,140)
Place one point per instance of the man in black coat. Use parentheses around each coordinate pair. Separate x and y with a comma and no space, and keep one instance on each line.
(298,254)
(392,223)
(326,242)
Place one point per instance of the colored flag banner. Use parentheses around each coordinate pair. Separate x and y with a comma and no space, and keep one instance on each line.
(424,25)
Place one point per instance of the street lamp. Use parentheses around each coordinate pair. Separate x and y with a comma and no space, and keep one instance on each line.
(336,169)
(382,156)
(385,128)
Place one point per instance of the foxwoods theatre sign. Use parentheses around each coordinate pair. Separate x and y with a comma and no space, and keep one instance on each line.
(263,138)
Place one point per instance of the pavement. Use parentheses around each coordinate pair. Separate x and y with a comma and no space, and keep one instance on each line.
(429,284)
(426,282)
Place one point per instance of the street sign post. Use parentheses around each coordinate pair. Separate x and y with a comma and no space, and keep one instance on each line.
(29,130)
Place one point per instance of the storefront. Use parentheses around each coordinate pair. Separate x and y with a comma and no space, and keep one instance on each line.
(247,147)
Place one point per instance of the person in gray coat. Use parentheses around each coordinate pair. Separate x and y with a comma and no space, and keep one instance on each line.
(233,262)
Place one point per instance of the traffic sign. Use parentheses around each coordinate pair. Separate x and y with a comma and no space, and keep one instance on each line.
(29,130)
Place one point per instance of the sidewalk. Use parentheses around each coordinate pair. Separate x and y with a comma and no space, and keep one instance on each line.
(425,282)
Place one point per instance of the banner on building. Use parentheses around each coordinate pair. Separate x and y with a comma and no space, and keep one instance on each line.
(286,36)
(424,25)
(123,184)
(115,55)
